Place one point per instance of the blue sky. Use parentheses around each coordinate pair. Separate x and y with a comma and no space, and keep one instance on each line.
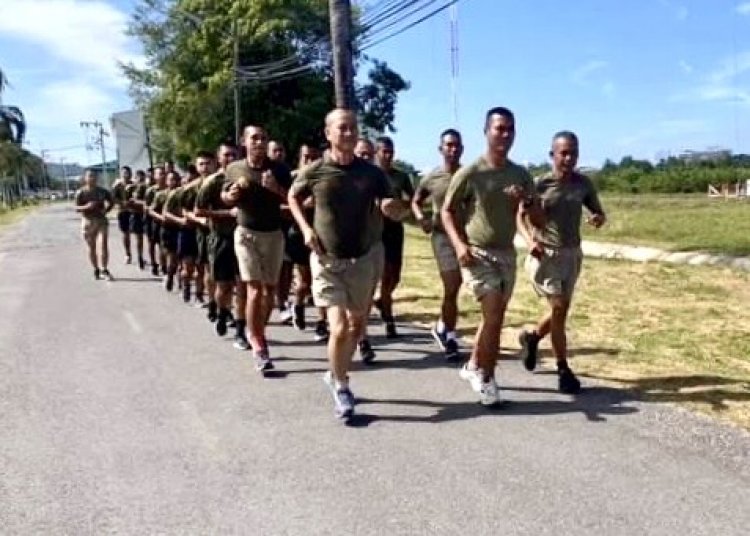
(645,78)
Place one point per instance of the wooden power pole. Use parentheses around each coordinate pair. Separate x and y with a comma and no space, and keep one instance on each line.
(341,41)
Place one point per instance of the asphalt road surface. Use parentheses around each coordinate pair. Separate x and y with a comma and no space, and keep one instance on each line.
(122,412)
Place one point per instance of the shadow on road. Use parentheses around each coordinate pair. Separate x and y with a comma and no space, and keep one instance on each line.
(700,388)
(595,403)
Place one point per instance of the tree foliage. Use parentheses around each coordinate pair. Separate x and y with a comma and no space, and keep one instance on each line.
(186,87)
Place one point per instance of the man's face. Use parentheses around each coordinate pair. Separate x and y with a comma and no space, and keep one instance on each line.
(226,155)
(276,151)
(451,148)
(159,176)
(500,133)
(168,166)
(341,131)
(384,155)
(140,177)
(90,179)
(256,142)
(364,150)
(203,165)
(126,174)
(564,155)
(173,180)
(307,155)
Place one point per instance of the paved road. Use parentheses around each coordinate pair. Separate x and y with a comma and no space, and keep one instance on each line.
(121,412)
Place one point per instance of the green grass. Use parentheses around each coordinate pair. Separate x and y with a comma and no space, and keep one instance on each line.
(678,334)
(676,222)
(8,216)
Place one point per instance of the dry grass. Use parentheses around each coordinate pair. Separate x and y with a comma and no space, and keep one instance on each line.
(8,216)
(673,333)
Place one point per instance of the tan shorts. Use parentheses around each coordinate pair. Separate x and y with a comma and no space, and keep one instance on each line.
(445,255)
(556,273)
(347,283)
(91,229)
(259,255)
(496,275)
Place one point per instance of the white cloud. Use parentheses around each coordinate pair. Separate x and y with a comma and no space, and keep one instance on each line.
(686,67)
(88,35)
(581,74)
(722,84)
(743,8)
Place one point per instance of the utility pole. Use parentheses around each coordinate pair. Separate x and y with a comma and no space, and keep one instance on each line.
(65,177)
(341,41)
(99,140)
(45,177)
(235,74)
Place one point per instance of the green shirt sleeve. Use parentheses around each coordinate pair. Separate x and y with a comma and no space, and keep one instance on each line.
(459,190)
(591,199)
(302,183)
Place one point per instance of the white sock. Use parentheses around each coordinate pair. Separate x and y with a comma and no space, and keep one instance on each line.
(450,336)
(440,327)
(342,385)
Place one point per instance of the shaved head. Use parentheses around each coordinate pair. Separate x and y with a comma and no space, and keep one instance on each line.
(337,113)
(341,130)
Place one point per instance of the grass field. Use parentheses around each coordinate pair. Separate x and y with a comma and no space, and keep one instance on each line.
(673,333)
(8,216)
(676,222)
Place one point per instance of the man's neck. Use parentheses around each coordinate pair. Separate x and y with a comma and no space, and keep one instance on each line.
(496,160)
(562,176)
(451,167)
(343,158)
(256,161)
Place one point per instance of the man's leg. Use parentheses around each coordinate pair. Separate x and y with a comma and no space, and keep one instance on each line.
(241,320)
(256,315)
(123,221)
(188,269)
(487,343)
(105,250)
(341,344)
(282,291)
(445,329)
(554,325)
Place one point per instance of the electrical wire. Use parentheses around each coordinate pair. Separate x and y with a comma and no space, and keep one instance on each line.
(371,44)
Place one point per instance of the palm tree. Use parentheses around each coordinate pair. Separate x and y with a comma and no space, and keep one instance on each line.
(12,121)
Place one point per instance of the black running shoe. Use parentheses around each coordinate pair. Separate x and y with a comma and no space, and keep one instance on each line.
(97,274)
(366,352)
(451,350)
(299,317)
(141,263)
(390,330)
(240,343)
(529,349)
(567,382)
(321,331)
(221,323)
(186,293)
(107,276)
(155,269)
(169,282)
(211,313)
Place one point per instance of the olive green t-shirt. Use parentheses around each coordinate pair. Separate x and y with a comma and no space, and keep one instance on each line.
(150,193)
(209,198)
(160,198)
(345,200)
(100,196)
(259,209)
(436,185)
(173,202)
(190,194)
(120,194)
(563,203)
(476,194)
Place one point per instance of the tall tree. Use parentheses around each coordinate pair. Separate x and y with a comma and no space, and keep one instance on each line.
(12,121)
(285,76)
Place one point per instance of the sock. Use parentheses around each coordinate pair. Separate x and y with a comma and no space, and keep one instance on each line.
(440,326)
(342,385)
(450,336)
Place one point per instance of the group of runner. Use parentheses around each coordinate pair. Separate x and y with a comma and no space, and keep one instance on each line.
(236,229)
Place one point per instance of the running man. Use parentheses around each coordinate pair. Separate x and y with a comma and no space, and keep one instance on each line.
(135,193)
(152,227)
(119,193)
(259,186)
(393,233)
(365,150)
(220,245)
(345,189)
(93,203)
(277,153)
(434,186)
(197,227)
(171,223)
(555,257)
(479,216)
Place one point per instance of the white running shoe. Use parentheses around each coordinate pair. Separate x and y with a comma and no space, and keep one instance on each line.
(489,394)
(473,376)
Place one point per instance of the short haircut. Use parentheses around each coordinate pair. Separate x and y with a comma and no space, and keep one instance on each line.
(566,135)
(498,110)
(205,154)
(330,115)
(90,170)
(226,143)
(192,169)
(140,173)
(450,132)
(123,168)
(384,140)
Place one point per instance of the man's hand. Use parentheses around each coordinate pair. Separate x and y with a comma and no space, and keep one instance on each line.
(233,194)
(536,250)
(515,192)
(597,220)
(267,180)
(234,211)
(426,225)
(311,240)
(463,253)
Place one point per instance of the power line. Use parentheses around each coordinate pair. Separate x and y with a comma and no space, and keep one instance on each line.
(409,26)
